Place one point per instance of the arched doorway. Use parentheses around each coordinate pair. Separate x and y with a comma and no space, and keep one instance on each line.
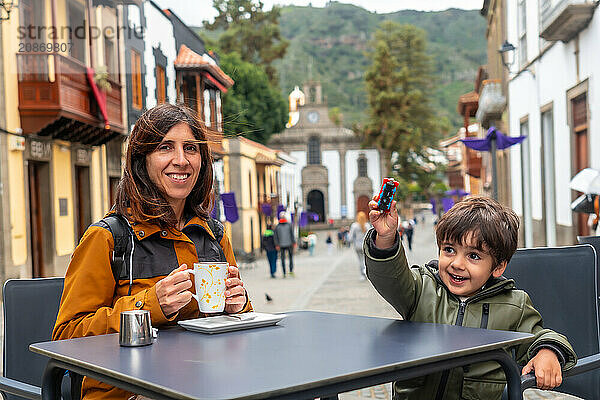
(316,204)
(362,204)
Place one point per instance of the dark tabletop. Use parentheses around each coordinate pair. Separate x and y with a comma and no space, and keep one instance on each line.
(302,351)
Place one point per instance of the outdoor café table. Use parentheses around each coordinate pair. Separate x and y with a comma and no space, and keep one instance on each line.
(307,355)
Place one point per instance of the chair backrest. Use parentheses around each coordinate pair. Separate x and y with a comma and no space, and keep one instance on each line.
(594,241)
(30,310)
(563,285)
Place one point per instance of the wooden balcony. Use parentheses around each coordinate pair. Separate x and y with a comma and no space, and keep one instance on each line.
(272,198)
(56,100)
(215,142)
(455,176)
(563,19)
(474,163)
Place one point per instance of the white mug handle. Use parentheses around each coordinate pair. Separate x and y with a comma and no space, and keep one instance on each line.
(195,296)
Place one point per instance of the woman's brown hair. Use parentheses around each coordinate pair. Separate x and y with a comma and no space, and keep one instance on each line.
(137,196)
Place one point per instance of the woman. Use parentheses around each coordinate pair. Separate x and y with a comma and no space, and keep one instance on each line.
(163,199)
(358,230)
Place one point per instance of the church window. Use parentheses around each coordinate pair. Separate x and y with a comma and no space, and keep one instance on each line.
(362,166)
(314,150)
(312,94)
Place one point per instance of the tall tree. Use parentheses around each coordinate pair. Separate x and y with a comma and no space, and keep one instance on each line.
(250,31)
(399,87)
(252,107)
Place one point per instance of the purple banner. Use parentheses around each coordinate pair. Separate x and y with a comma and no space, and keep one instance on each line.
(303,219)
(456,192)
(231,211)
(432,201)
(447,203)
(266,209)
(502,141)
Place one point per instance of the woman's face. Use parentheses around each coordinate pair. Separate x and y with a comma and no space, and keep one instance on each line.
(175,164)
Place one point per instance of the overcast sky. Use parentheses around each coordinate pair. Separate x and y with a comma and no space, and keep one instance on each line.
(193,12)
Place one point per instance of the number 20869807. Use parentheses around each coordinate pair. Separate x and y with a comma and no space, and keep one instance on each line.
(43,47)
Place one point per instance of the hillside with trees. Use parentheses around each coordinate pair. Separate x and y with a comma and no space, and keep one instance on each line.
(332,44)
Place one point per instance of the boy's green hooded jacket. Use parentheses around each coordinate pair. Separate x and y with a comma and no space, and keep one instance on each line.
(419,295)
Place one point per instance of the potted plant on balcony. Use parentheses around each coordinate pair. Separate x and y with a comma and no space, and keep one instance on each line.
(101,77)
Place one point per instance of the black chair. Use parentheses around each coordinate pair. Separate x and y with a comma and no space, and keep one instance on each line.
(563,285)
(594,241)
(30,310)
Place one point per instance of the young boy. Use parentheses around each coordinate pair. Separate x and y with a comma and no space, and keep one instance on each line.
(476,239)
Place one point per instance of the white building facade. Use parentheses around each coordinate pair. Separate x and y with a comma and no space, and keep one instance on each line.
(554,83)
(159,56)
(335,176)
(288,187)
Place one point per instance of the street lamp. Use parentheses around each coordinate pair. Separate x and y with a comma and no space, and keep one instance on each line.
(507,52)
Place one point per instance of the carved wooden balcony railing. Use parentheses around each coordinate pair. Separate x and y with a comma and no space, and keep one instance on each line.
(56,99)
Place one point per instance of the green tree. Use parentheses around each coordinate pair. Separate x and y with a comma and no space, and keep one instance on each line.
(335,115)
(399,87)
(249,31)
(253,107)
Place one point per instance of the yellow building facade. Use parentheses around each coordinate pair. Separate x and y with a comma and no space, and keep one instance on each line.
(53,150)
(252,173)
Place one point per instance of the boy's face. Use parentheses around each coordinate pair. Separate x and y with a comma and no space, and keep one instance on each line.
(464,269)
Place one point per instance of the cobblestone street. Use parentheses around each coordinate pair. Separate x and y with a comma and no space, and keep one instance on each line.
(330,282)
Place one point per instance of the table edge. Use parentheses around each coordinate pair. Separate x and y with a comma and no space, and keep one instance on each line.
(114,375)
(278,392)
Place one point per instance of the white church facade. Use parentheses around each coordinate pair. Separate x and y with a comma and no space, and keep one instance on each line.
(336,176)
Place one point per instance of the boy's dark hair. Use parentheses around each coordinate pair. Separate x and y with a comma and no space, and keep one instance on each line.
(493,225)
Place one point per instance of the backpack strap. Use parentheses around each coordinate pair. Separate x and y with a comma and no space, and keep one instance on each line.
(120,233)
(121,236)
(217,229)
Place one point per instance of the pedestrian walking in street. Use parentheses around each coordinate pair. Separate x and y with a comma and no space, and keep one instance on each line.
(159,227)
(329,242)
(407,231)
(268,245)
(285,241)
(476,239)
(312,242)
(358,230)
(346,235)
(340,238)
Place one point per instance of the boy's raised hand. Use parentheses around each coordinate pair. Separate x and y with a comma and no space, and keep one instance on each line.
(547,369)
(385,223)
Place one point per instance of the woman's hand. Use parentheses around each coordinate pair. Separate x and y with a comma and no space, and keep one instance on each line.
(385,223)
(173,290)
(235,293)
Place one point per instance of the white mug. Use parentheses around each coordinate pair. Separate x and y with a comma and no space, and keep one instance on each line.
(209,279)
